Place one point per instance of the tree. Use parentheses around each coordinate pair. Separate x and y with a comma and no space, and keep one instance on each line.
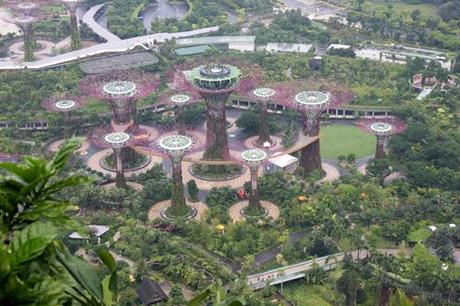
(415,15)
(36,268)
(216,294)
(348,284)
(380,169)
(193,190)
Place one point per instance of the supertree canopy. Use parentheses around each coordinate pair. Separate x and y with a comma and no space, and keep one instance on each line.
(121,89)
(382,128)
(254,159)
(175,146)
(75,39)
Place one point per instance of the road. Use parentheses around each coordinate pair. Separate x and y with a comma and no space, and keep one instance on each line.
(113,45)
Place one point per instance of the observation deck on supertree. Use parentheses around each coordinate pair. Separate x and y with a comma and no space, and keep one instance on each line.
(75,39)
(383,129)
(215,82)
(64,104)
(121,89)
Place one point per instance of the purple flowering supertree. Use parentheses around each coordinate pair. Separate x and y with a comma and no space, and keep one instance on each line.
(64,104)
(312,104)
(214,82)
(175,146)
(25,15)
(121,89)
(382,128)
(179,100)
(118,141)
(263,96)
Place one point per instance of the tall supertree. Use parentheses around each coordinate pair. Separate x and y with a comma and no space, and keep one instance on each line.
(117,141)
(121,89)
(215,82)
(179,101)
(383,129)
(75,38)
(64,104)
(312,104)
(254,159)
(175,147)
(26,14)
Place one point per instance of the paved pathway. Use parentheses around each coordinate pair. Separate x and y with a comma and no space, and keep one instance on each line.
(157,208)
(236,215)
(93,164)
(332,173)
(113,45)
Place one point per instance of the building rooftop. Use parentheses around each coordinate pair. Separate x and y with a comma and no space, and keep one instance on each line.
(96,230)
(215,40)
(287,47)
(338,46)
(185,51)
(284,160)
(150,292)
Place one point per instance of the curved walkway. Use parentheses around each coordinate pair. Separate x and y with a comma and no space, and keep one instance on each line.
(332,173)
(157,208)
(113,45)
(94,164)
(236,215)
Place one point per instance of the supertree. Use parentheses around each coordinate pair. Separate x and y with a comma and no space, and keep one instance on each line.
(75,39)
(121,89)
(180,101)
(312,104)
(64,104)
(254,159)
(215,82)
(25,15)
(175,147)
(117,141)
(382,128)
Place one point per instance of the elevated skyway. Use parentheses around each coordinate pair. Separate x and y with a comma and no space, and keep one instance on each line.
(113,45)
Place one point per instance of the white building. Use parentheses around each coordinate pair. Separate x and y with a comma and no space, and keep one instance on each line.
(338,46)
(284,162)
(95,230)
(288,47)
(238,43)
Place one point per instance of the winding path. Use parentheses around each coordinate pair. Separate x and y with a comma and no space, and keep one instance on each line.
(113,45)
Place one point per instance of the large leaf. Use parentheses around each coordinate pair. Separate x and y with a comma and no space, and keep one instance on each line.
(31,242)
(199,299)
(112,289)
(83,274)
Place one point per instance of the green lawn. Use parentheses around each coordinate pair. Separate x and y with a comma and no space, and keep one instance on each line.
(426,9)
(339,139)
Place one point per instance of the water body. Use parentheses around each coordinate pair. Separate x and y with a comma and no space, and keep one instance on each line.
(163,9)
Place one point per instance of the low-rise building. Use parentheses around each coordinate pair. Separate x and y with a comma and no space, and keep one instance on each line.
(288,47)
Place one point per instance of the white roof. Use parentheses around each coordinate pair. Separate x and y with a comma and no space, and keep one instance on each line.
(432,228)
(215,40)
(283,160)
(338,46)
(288,47)
(96,230)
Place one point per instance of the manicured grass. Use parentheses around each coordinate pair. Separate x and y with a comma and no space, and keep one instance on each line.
(339,139)
(426,10)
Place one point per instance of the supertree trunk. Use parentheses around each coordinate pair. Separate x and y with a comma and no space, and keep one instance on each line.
(178,206)
(216,134)
(264,129)
(75,42)
(120,173)
(29,44)
(254,197)
(380,147)
(310,157)
(180,121)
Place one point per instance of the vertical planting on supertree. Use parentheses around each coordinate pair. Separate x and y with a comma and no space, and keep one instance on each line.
(118,141)
(175,147)
(264,96)
(254,159)
(75,38)
(383,129)
(25,23)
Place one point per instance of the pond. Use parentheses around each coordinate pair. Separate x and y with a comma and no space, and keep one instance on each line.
(163,9)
